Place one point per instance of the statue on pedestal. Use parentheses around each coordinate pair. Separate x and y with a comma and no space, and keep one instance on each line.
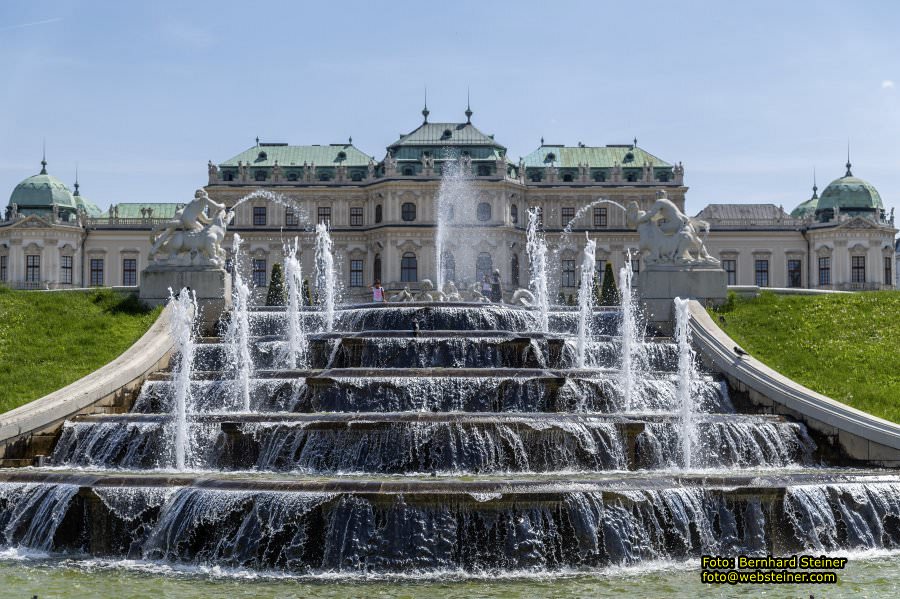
(194,236)
(667,235)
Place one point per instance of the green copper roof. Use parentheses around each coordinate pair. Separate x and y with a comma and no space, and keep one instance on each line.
(849,193)
(446,135)
(594,156)
(42,190)
(133,209)
(807,208)
(329,155)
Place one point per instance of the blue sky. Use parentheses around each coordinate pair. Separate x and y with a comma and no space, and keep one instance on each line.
(749,95)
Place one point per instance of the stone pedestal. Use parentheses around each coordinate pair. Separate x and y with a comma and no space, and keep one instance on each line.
(659,285)
(211,285)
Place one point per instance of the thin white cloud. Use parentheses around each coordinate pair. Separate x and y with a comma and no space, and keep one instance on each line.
(32,24)
(887,84)
(187,34)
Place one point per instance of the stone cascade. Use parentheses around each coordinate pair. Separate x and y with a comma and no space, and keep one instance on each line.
(428,438)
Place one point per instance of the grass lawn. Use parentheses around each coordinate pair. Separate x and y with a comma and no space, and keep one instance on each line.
(48,340)
(845,346)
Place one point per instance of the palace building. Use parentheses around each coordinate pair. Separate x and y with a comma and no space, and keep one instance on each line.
(382,213)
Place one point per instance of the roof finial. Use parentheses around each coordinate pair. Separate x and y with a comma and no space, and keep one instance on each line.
(815,189)
(257,141)
(425,111)
(634,144)
(350,140)
(77,193)
(849,174)
(469,112)
(44,157)
(542,140)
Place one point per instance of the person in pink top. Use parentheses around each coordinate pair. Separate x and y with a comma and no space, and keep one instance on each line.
(377,292)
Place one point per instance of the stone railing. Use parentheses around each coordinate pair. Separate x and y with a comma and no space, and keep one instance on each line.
(30,430)
(858,435)
(116,223)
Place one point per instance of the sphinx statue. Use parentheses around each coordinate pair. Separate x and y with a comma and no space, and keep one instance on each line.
(667,235)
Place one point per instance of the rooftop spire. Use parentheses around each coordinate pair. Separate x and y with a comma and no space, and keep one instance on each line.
(425,111)
(634,145)
(44,157)
(469,112)
(257,140)
(815,189)
(77,193)
(849,174)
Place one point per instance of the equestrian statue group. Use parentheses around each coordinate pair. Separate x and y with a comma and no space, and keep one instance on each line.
(194,235)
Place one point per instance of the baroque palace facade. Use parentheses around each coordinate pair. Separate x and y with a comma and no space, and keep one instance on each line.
(381,214)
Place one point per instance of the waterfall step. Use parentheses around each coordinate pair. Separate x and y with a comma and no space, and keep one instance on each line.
(312,375)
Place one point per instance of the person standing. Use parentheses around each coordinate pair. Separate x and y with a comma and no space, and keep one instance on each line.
(496,287)
(377,292)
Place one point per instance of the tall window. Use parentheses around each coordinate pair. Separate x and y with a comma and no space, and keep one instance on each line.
(356,273)
(600,219)
(483,266)
(568,274)
(825,271)
(483,212)
(448,265)
(356,216)
(378,213)
(259,272)
(484,170)
(65,270)
(857,269)
(259,216)
(290,217)
(795,278)
(599,269)
(376,268)
(4,268)
(129,272)
(514,214)
(32,268)
(887,271)
(636,265)
(409,268)
(96,272)
(514,269)
(324,216)
(762,273)
(730,267)
(567,214)
(260,175)
(408,211)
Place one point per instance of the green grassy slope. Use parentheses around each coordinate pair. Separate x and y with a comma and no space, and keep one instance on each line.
(845,346)
(48,340)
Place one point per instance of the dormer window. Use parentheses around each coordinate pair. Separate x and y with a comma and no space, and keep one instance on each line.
(628,157)
(262,156)
(342,155)
(446,134)
(551,157)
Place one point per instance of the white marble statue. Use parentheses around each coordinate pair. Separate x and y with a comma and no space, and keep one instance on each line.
(403,296)
(667,235)
(194,236)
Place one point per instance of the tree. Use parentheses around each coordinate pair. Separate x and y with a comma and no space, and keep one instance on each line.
(307,295)
(277,295)
(609,294)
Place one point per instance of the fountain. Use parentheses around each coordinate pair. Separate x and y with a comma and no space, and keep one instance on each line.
(632,341)
(537,257)
(183,315)
(296,337)
(586,298)
(325,275)
(237,335)
(453,210)
(687,375)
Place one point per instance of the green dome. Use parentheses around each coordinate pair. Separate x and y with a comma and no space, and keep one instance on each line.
(850,194)
(807,208)
(42,191)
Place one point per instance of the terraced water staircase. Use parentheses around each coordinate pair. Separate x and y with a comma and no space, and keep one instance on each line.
(441,437)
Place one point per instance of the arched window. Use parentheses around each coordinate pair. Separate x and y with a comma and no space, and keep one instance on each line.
(409,268)
(484,170)
(260,175)
(631,177)
(408,171)
(408,211)
(536,177)
(514,269)
(356,176)
(483,266)
(599,176)
(448,265)
(376,268)
(292,176)
(227,176)
(324,176)
(567,177)
(378,213)
(514,214)
(484,211)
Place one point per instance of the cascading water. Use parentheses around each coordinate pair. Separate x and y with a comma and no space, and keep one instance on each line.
(183,314)
(453,212)
(632,342)
(237,336)
(586,298)
(325,276)
(687,374)
(296,337)
(537,257)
